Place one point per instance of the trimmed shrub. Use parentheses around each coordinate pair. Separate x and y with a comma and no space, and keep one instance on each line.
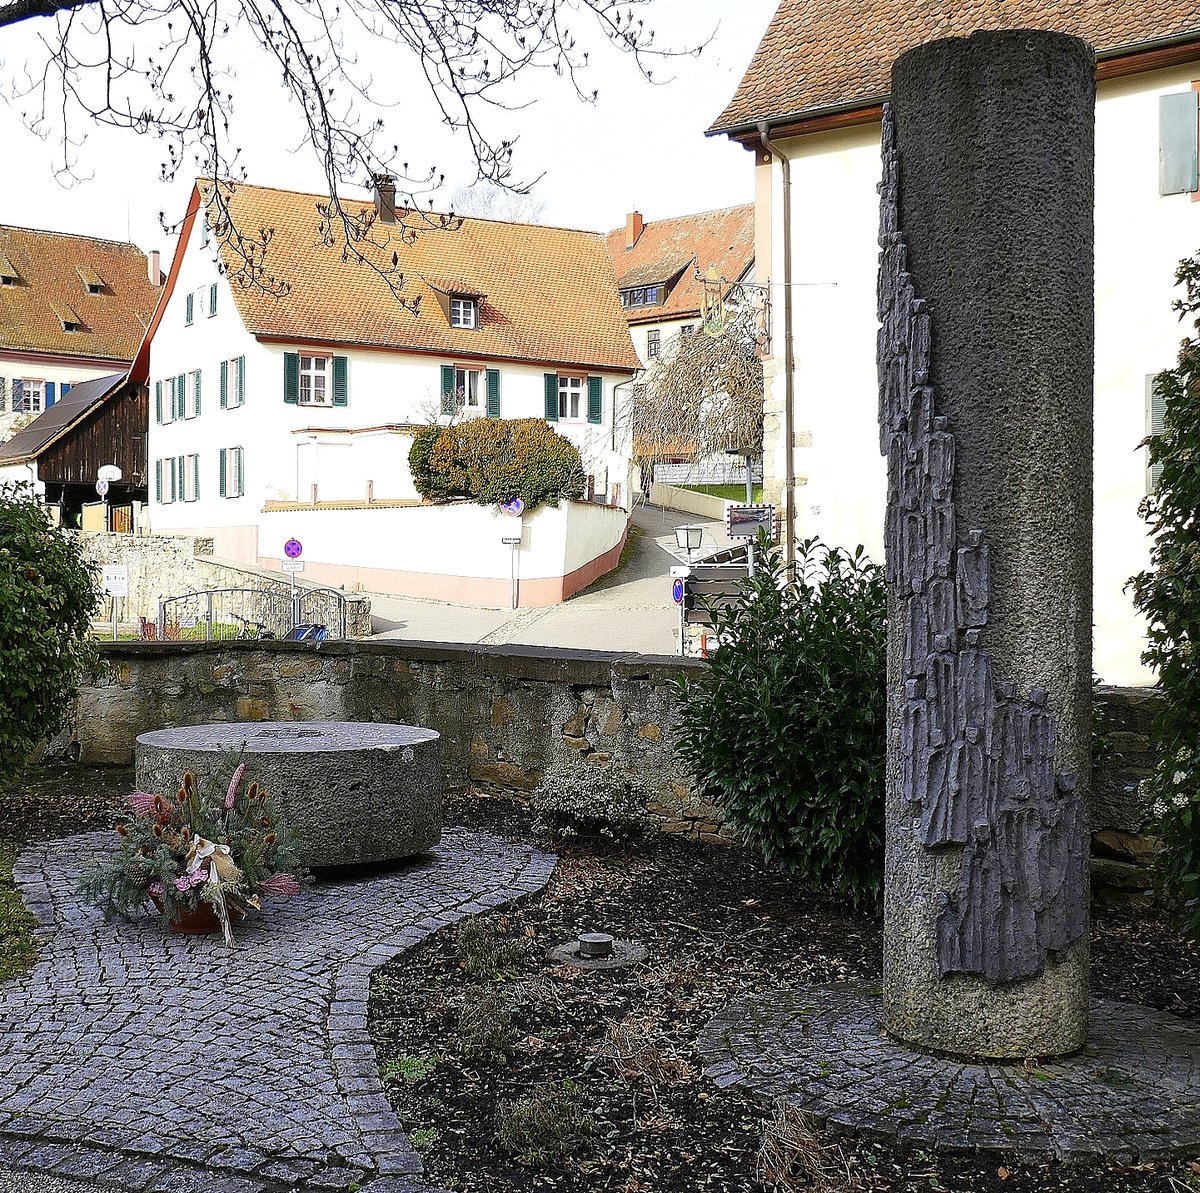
(574,797)
(490,460)
(786,730)
(1168,593)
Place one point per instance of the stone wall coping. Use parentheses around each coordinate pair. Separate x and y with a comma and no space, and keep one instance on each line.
(532,662)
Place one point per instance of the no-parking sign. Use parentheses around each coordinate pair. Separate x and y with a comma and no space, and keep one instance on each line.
(293,548)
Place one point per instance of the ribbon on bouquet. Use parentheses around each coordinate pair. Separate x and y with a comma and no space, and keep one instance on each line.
(215,863)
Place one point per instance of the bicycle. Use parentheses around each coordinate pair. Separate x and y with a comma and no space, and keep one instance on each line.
(249,629)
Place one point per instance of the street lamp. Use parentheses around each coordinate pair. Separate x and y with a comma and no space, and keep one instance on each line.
(688,538)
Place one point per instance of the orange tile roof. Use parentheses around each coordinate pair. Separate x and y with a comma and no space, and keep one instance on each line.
(821,55)
(549,293)
(722,239)
(51,267)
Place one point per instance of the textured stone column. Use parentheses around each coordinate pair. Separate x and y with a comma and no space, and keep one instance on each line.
(985,356)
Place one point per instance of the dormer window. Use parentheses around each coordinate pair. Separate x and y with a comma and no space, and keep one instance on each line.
(8,274)
(464,312)
(642,296)
(93,283)
(67,317)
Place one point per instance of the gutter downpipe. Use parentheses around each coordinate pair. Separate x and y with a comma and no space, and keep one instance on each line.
(789,354)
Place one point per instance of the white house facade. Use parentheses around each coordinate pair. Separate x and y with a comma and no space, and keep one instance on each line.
(257,410)
(824,169)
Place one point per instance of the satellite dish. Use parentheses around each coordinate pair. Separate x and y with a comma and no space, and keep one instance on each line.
(108,472)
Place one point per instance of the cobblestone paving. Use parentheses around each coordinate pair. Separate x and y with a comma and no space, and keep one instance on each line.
(1133,1092)
(153,1061)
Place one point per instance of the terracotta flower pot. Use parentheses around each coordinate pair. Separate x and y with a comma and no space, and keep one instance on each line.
(202,921)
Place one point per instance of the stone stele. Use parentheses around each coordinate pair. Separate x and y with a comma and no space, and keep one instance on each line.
(985,363)
(353,791)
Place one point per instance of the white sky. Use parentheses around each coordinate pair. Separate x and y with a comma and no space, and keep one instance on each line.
(641,145)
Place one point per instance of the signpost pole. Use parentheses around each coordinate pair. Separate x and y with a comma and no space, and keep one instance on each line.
(750,501)
(114,611)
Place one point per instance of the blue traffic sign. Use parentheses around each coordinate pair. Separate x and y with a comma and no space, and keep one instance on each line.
(514,506)
(677,591)
(293,549)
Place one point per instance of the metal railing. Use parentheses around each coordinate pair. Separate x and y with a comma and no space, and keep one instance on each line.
(219,614)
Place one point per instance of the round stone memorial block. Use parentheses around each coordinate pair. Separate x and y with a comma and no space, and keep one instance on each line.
(354,792)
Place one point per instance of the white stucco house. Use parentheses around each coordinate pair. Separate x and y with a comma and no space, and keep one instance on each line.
(809,109)
(284,395)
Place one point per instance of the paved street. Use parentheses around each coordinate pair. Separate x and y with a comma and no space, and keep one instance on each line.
(629,611)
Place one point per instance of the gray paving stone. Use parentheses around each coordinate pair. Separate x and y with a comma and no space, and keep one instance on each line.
(1132,1093)
(259,1055)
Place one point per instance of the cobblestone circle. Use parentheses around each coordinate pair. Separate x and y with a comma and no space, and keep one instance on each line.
(1132,1093)
(162,1063)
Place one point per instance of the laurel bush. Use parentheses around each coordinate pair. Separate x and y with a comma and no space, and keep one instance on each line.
(785,729)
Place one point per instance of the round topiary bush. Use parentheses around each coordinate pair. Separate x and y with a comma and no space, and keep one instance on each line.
(490,460)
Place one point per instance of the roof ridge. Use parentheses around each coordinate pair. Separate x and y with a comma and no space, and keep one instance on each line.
(670,219)
(481,219)
(125,244)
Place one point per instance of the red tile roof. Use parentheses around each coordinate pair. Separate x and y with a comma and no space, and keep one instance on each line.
(548,293)
(51,268)
(722,239)
(823,55)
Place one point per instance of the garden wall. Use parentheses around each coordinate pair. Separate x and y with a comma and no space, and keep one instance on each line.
(505,713)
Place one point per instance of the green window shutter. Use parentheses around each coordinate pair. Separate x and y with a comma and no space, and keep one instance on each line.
(291,377)
(196,382)
(158,412)
(180,396)
(158,481)
(1178,143)
(493,393)
(221,473)
(550,380)
(224,385)
(595,399)
(195,478)
(191,305)
(241,380)
(341,389)
(447,389)
(212,299)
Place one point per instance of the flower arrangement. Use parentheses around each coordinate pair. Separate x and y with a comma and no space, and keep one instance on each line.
(219,851)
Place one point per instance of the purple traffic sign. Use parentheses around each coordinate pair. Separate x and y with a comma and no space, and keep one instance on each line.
(293,548)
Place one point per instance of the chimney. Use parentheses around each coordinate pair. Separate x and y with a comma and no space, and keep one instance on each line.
(385,197)
(152,270)
(633,228)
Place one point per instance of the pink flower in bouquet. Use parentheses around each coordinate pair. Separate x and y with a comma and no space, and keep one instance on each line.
(142,802)
(155,888)
(190,880)
(283,886)
(234,784)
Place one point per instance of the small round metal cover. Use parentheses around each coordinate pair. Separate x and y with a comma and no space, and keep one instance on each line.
(624,953)
(595,944)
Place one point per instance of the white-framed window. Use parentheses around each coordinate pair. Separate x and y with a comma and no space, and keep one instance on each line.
(468,387)
(191,477)
(165,484)
(316,383)
(464,312)
(233,382)
(29,397)
(232,472)
(653,343)
(570,397)
(191,406)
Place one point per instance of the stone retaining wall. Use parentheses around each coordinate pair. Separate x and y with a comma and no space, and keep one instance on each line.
(505,713)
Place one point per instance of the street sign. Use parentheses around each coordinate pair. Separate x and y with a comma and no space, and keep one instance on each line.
(108,472)
(293,549)
(677,590)
(514,506)
(115,580)
(102,486)
(745,521)
(188,623)
(292,565)
(511,541)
